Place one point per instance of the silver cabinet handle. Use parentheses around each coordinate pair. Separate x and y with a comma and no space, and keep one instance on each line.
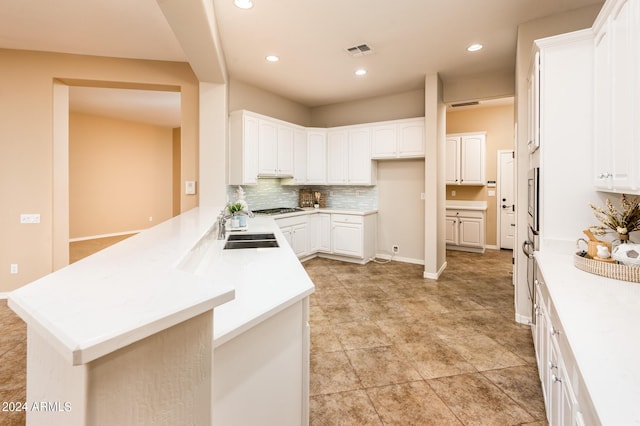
(554,331)
(555,379)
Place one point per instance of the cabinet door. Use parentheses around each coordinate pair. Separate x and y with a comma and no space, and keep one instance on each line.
(471,232)
(324,232)
(451,230)
(472,151)
(452,166)
(337,157)
(360,164)
(285,151)
(316,157)
(383,141)
(299,238)
(250,136)
(299,156)
(602,104)
(267,148)
(411,139)
(347,240)
(624,77)
(288,234)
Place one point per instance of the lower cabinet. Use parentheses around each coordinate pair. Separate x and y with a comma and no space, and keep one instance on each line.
(349,237)
(566,400)
(465,230)
(295,230)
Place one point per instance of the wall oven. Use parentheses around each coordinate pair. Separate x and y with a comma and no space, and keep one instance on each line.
(531,244)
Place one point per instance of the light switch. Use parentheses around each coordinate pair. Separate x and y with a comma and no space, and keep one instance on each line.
(491,193)
(190,187)
(30,218)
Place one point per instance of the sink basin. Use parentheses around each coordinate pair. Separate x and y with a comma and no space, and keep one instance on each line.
(250,244)
(247,241)
(250,237)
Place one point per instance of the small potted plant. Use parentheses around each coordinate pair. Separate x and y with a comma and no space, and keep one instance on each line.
(624,221)
(237,209)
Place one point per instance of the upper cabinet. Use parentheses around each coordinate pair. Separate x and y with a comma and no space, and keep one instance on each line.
(275,149)
(243,148)
(349,156)
(316,157)
(465,154)
(617,98)
(261,146)
(398,139)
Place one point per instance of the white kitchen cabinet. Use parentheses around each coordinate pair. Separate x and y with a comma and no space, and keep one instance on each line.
(320,233)
(347,235)
(295,230)
(465,230)
(243,148)
(398,139)
(353,235)
(566,400)
(617,104)
(275,149)
(317,157)
(465,159)
(337,157)
(361,170)
(349,157)
(299,158)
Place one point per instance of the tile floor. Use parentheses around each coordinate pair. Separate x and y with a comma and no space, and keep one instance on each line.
(389,347)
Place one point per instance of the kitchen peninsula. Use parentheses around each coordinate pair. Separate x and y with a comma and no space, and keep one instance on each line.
(129,332)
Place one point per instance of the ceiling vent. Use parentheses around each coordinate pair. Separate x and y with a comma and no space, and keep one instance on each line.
(360,50)
(462,104)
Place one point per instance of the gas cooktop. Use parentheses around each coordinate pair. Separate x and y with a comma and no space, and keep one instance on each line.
(278,210)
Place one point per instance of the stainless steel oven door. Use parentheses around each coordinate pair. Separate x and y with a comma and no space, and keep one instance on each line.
(533,198)
(529,246)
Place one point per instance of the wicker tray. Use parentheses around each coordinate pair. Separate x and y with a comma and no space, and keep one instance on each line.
(616,271)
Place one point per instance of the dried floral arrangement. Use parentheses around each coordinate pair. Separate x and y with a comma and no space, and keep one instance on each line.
(621,221)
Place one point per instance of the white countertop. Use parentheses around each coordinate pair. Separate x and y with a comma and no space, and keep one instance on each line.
(156,279)
(266,280)
(601,320)
(312,210)
(466,205)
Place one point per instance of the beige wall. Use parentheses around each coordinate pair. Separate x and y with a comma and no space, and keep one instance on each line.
(498,123)
(391,107)
(251,98)
(120,175)
(400,209)
(26,147)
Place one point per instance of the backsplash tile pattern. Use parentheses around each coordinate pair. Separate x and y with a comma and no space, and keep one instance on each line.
(268,193)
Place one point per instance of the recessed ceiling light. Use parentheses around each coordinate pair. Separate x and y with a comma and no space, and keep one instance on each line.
(243,4)
(361,72)
(272,58)
(474,47)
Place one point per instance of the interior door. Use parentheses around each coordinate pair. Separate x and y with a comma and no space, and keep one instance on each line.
(506,199)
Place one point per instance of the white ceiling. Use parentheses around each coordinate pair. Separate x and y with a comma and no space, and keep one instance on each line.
(410,38)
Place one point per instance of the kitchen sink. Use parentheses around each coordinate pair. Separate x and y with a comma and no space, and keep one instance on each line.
(247,241)
(251,237)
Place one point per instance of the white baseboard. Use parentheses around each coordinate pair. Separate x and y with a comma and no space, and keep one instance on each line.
(400,259)
(522,319)
(492,247)
(4,295)
(95,237)
(437,274)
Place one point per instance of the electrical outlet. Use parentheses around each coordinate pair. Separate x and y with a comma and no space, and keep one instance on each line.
(30,218)
(150,218)
(14,268)
(395,249)
(453,193)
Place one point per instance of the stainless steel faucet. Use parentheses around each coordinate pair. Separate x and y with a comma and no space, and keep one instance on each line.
(222,225)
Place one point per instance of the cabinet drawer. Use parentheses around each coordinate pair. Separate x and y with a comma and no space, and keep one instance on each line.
(347,218)
(465,213)
(291,221)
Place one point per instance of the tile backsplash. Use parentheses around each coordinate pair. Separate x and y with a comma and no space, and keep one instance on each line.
(268,193)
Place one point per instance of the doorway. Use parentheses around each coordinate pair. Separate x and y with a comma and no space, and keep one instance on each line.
(148,118)
(506,200)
